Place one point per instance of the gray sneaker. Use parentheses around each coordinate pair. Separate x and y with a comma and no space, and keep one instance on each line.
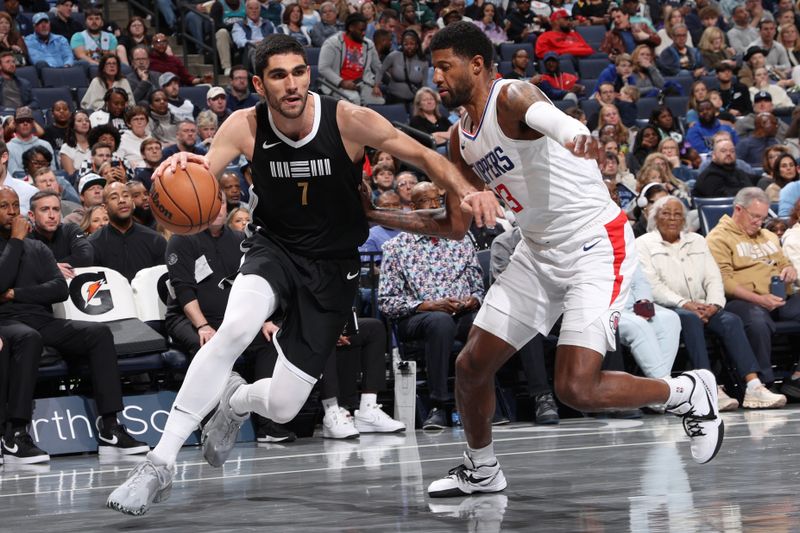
(147,483)
(219,433)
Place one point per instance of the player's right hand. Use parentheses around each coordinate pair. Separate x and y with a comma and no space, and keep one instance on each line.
(584,146)
(180,160)
(20,227)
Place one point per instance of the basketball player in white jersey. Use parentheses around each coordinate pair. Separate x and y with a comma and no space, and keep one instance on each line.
(576,260)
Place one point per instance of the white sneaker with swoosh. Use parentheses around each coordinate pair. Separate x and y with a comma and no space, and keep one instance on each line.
(468,478)
(117,441)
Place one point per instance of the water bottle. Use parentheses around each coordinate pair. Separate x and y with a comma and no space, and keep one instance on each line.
(455,418)
(777,287)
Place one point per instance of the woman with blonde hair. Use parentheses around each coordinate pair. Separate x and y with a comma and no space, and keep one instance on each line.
(93,219)
(697,93)
(238,218)
(609,116)
(649,80)
(425,115)
(712,48)
(789,37)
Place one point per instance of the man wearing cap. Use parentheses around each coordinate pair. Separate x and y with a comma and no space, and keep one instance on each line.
(15,92)
(23,190)
(161,61)
(187,141)
(90,44)
(562,39)
(47,49)
(64,23)
(742,33)
(24,139)
(555,84)
(217,101)
(183,109)
(776,55)
(762,103)
(735,96)
(90,187)
(66,240)
(456,10)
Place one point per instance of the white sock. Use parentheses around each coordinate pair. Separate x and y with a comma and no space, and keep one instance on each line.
(331,405)
(753,384)
(482,456)
(368,399)
(250,398)
(680,389)
(180,425)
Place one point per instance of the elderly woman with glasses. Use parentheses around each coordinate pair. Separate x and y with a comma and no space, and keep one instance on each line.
(685,278)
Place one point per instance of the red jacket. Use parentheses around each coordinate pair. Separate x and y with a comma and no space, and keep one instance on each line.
(167,63)
(563,80)
(562,43)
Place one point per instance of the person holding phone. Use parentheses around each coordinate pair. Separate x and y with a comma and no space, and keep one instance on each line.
(748,277)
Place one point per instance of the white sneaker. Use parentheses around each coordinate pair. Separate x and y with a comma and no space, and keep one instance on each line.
(467,478)
(338,425)
(762,398)
(725,402)
(701,420)
(146,483)
(374,420)
(219,433)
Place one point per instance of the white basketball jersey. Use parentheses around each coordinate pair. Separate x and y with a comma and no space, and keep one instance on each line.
(552,193)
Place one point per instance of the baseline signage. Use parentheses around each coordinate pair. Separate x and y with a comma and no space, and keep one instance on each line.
(68,424)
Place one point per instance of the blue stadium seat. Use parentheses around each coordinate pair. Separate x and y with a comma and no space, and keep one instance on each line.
(684,81)
(590,106)
(590,86)
(72,77)
(591,68)
(645,106)
(47,96)
(563,105)
(392,112)
(507,50)
(504,67)
(711,83)
(566,65)
(312,54)
(80,92)
(593,35)
(314,77)
(196,95)
(677,104)
(30,74)
(710,215)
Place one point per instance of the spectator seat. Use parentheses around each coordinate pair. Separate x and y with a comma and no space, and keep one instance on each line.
(47,96)
(392,112)
(591,68)
(507,50)
(593,35)
(69,77)
(29,73)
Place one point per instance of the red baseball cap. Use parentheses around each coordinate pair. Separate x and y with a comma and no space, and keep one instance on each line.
(559,14)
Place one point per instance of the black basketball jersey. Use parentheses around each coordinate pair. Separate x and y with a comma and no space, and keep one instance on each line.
(306,191)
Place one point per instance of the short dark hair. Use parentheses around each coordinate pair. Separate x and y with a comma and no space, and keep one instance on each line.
(6,53)
(42,194)
(354,18)
(388,14)
(100,130)
(28,154)
(93,11)
(237,68)
(276,44)
(466,40)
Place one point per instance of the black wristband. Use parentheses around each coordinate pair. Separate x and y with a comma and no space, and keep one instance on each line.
(201,326)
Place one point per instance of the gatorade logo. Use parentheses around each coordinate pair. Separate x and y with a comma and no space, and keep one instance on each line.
(155,200)
(90,294)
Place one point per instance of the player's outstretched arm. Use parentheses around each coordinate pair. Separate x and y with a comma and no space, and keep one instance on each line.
(526,100)
(365,127)
(449,222)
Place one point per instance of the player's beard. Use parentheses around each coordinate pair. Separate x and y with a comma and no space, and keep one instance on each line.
(458,95)
(276,105)
(143,216)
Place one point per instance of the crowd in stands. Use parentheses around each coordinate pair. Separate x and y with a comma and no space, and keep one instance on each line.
(689,101)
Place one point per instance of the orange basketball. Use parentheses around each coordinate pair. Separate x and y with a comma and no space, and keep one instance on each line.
(185,201)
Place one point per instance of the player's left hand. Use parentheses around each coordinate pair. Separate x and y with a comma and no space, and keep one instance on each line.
(584,146)
(484,207)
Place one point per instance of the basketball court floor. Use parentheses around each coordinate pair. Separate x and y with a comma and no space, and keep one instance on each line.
(602,475)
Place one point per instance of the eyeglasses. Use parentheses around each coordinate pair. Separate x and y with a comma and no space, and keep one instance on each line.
(755,217)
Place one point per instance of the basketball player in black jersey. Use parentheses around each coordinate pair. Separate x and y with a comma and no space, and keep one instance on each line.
(301,260)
